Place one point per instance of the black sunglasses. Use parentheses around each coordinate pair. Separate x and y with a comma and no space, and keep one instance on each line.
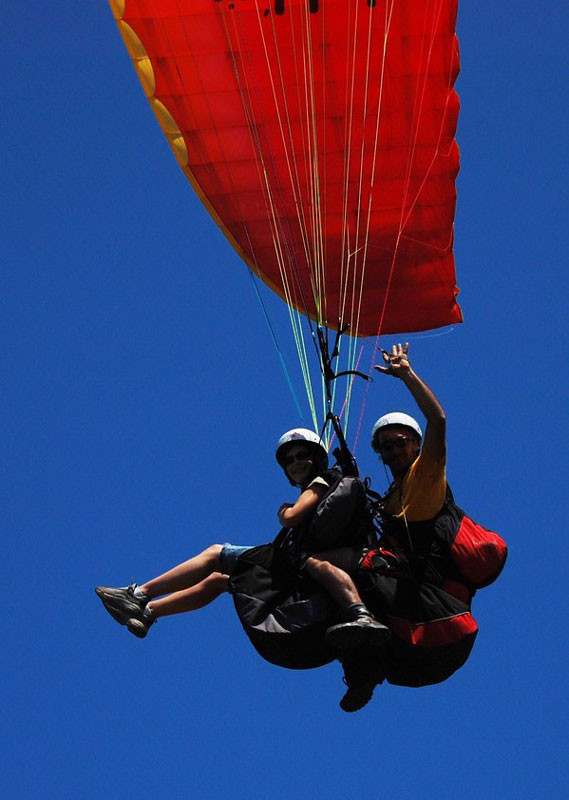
(391,444)
(301,455)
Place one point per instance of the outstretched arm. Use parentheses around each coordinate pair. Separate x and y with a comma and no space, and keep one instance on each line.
(399,366)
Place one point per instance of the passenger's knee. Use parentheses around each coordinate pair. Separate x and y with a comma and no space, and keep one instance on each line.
(221,581)
(212,554)
(217,582)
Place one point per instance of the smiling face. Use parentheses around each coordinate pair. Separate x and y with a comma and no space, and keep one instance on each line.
(298,462)
(398,447)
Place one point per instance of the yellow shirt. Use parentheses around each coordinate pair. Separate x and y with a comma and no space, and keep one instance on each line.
(421,493)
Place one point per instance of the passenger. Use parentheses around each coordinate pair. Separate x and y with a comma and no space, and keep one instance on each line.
(305,462)
(200,580)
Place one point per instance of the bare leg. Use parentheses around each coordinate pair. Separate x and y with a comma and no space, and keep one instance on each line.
(190,599)
(330,571)
(189,586)
(336,581)
(185,575)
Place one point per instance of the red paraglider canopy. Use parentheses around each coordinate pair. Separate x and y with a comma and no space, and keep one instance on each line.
(320,136)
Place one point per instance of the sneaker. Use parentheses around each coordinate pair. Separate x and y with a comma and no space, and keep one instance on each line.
(127,609)
(363,629)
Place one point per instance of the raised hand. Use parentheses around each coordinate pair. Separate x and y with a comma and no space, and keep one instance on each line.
(397,361)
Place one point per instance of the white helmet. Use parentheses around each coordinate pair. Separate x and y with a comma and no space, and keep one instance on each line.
(300,435)
(395,418)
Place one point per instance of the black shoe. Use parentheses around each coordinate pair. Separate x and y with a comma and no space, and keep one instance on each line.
(126,608)
(361,678)
(357,696)
(363,629)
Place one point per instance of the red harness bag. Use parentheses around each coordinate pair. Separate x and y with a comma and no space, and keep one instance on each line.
(478,553)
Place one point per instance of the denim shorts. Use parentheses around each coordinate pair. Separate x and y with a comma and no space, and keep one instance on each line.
(229,555)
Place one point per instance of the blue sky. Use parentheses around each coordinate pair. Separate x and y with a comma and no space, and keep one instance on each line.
(141,399)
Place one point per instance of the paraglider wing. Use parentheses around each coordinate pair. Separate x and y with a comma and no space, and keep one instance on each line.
(320,137)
